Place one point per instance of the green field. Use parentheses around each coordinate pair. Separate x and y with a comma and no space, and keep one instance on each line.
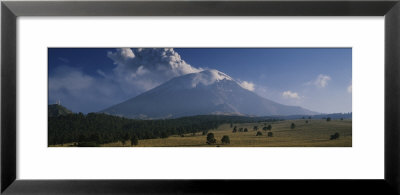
(316,133)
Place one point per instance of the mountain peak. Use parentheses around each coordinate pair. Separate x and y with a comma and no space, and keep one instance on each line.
(208,77)
(216,74)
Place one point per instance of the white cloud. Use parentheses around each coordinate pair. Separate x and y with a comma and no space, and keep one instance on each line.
(121,56)
(80,91)
(69,79)
(290,94)
(247,85)
(100,72)
(143,69)
(350,88)
(321,81)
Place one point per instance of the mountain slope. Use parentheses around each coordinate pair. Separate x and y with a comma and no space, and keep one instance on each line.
(57,110)
(206,92)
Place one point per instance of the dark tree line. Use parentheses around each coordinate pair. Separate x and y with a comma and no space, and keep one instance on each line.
(94,129)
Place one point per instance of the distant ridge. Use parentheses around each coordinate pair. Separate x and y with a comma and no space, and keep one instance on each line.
(55,110)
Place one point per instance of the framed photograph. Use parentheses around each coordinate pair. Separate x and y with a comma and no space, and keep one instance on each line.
(153,97)
(133,97)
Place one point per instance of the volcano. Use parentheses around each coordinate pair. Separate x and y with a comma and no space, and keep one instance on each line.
(201,93)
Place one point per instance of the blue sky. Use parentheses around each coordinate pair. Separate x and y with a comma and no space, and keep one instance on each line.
(92,79)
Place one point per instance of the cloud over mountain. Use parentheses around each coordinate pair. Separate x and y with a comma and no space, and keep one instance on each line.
(247,85)
(290,94)
(146,68)
(134,71)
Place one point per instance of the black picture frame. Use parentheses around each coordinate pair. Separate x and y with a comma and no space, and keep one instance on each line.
(11,10)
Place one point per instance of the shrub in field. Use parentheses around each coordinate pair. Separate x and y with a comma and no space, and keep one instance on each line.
(328,119)
(259,133)
(246,130)
(335,136)
(211,139)
(225,140)
(292,126)
(234,130)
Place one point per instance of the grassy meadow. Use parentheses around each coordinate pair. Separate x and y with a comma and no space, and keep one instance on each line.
(315,133)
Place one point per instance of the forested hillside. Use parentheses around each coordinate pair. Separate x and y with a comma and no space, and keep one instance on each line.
(95,128)
(57,110)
